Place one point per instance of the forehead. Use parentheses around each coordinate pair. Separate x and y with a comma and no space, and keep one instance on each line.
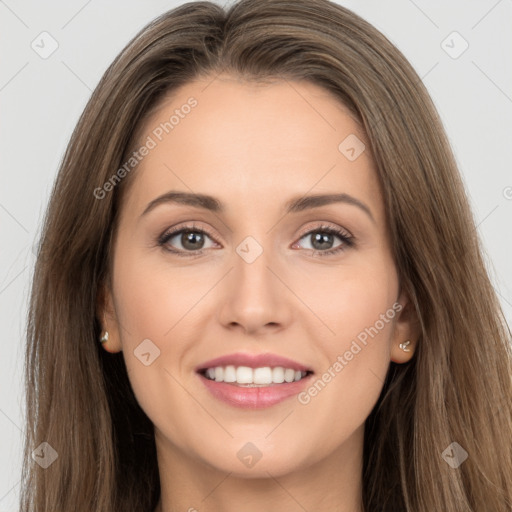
(244,141)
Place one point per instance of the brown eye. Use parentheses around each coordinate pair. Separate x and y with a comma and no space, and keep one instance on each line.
(323,238)
(185,240)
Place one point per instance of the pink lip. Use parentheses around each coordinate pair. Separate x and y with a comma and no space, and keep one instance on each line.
(253,361)
(256,397)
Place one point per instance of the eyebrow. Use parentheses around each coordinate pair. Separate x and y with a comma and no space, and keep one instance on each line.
(294,205)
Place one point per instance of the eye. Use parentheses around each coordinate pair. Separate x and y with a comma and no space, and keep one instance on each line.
(190,238)
(322,239)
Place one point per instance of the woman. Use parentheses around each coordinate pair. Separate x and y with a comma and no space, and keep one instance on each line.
(187,351)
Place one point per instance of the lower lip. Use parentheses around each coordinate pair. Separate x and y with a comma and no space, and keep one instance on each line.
(254,398)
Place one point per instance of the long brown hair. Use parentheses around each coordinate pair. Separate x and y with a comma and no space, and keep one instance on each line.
(458,386)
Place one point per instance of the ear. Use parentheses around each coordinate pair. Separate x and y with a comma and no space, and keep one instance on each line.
(406,329)
(106,314)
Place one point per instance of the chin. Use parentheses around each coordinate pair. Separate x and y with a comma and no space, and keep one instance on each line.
(257,459)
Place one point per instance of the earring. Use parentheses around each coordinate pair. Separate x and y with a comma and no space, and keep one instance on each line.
(404,345)
(104,338)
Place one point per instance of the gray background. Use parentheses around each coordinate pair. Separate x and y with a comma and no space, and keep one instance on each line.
(41,100)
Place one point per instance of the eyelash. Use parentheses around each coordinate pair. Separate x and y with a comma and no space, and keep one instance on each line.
(347,240)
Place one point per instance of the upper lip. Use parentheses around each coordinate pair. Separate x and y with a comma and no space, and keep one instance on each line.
(253,361)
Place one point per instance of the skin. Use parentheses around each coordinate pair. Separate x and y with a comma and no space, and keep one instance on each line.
(254,147)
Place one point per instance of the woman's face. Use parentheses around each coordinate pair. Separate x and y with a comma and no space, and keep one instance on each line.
(264,273)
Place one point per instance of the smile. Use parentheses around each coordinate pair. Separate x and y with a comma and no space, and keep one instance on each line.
(253,381)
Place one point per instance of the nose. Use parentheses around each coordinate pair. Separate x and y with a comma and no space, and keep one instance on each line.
(255,298)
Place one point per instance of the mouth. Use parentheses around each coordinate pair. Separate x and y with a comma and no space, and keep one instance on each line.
(253,381)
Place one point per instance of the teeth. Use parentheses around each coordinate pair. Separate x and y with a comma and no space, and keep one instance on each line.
(244,375)
(230,374)
(278,375)
(289,375)
(263,376)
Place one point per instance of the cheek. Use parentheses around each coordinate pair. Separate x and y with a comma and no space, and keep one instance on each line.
(348,300)
(357,306)
(363,310)
(151,299)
